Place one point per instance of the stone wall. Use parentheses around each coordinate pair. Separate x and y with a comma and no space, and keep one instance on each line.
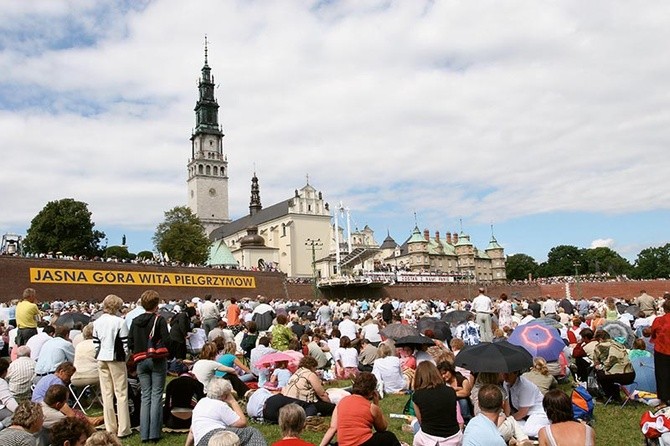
(15,277)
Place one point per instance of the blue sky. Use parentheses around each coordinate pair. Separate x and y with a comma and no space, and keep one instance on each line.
(548,120)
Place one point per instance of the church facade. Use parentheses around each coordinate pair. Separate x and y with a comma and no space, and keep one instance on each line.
(297,235)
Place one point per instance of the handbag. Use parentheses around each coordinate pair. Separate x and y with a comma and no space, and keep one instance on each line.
(156,349)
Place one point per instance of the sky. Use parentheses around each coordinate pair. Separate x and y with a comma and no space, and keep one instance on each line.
(548,121)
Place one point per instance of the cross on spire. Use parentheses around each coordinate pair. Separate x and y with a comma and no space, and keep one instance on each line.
(205,49)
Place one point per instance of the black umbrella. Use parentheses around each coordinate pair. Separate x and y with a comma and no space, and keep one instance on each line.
(396,331)
(456,317)
(414,340)
(69,319)
(632,309)
(494,357)
(306,312)
(439,328)
(167,314)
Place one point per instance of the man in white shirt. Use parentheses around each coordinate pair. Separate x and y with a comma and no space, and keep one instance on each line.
(526,401)
(348,328)
(549,307)
(483,306)
(36,342)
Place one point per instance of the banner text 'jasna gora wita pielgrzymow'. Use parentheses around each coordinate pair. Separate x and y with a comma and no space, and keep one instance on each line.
(100,277)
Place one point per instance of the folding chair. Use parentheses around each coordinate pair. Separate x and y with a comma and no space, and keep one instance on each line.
(627,390)
(79,397)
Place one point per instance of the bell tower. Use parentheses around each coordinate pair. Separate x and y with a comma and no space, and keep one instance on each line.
(208,165)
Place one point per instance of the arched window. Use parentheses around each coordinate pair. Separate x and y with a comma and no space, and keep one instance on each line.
(208,170)
(216,171)
(200,169)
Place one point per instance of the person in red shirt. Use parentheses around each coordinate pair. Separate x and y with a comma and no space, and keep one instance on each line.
(292,422)
(357,414)
(233,313)
(660,337)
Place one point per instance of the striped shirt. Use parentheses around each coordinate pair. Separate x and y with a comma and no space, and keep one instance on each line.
(20,376)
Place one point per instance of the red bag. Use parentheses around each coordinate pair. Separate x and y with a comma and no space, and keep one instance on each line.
(654,425)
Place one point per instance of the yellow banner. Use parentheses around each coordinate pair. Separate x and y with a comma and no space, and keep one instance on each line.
(98,277)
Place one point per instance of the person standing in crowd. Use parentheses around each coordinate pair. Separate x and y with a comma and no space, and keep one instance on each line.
(535,308)
(180,332)
(209,313)
(387,311)
(110,334)
(233,313)
(324,315)
(660,337)
(646,303)
(504,312)
(549,307)
(150,371)
(482,306)
(27,316)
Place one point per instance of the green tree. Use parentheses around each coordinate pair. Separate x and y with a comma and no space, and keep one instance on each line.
(182,237)
(146,255)
(519,266)
(605,260)
(64,225)
(653,263)
(120,252)
(561,261)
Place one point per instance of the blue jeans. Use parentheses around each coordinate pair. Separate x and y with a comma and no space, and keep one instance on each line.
(151,373)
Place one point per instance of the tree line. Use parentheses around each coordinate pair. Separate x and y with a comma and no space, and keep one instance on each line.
(567,260)
(65,226)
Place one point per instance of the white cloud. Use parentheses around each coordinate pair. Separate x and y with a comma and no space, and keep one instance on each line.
(483,110)
(602,243)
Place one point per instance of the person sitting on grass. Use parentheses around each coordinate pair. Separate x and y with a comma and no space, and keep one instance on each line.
(357,414)
(70,432)
(280,375)
(224,438)
(26,422)
(563,430)
(217,412)
(292,423)
(103,438)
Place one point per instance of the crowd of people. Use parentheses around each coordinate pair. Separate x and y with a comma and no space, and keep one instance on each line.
(208,367)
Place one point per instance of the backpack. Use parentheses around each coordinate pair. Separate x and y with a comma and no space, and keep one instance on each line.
(582,404)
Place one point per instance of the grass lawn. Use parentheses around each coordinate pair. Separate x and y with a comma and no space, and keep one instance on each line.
(614,426)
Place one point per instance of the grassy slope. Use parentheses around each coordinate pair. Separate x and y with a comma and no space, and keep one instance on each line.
(614,426)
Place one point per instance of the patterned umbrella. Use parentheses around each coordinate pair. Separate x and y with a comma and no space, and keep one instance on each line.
(539,340)
(618,329)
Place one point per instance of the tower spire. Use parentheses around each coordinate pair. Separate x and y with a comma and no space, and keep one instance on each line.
(255,202)
(205,49)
